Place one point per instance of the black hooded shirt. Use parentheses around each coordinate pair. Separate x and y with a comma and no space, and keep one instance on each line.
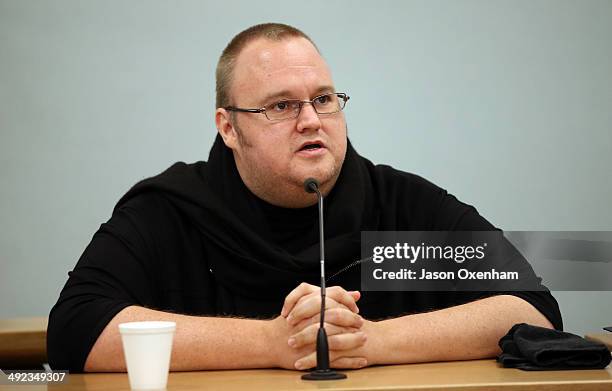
(194,240)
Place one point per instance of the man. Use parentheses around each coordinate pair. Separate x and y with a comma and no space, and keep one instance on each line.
(220,247)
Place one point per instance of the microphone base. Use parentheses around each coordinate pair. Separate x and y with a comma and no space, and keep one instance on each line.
(323,374)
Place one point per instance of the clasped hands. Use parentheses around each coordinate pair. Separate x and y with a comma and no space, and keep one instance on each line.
(348,333)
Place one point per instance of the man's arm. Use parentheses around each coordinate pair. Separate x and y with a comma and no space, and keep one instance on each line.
(218,343)
(464,332)
(199,342)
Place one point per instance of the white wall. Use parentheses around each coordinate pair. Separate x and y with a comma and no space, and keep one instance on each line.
(507,104)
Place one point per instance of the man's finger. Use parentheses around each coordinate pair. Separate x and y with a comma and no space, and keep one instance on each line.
(343,317)
(293,297)
(308,336)
(337,360)
(338,316)
(310,305)
(346,341)
(349,363)
(343,297)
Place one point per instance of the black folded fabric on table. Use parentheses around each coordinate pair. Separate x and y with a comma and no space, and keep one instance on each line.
(534,348)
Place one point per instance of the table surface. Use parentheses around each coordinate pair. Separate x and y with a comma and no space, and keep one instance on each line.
(26,335)
(460,375)
(604,338)
(23,342)
(24,325)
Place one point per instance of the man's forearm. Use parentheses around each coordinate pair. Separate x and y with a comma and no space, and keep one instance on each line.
(468,331)
(199,342)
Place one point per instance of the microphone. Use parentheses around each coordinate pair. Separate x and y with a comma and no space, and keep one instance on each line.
(322,372)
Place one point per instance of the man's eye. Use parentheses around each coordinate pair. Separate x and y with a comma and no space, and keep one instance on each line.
(323,99)
(280,106)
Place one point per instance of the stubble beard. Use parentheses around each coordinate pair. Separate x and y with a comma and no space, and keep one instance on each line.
(286,192)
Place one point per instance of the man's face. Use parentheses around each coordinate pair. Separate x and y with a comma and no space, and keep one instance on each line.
(270,155)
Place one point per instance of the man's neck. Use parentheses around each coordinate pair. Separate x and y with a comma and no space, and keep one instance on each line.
(288,195)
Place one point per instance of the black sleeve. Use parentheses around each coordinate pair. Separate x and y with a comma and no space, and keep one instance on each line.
(453,214)
(113,273)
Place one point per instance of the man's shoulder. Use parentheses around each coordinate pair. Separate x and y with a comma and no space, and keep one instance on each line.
(155,198)
(180,179)
(177,174)
(423,203)
(144,201)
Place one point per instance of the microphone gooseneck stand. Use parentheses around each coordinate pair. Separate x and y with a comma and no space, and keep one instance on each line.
(322,372)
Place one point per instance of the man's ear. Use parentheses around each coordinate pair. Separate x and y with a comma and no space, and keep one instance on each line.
(225,128)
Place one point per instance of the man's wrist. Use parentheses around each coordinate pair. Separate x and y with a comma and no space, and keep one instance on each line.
(273,340)
(377,345)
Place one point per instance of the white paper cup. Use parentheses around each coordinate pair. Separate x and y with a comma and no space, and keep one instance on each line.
(147,347)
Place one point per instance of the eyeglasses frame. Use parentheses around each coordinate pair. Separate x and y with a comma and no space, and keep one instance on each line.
(341,95)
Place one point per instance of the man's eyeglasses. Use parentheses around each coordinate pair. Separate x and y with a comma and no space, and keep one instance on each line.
(291,108)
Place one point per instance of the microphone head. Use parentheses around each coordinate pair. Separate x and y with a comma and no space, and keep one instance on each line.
(311,185)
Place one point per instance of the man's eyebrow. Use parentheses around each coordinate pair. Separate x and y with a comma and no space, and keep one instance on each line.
(286,94)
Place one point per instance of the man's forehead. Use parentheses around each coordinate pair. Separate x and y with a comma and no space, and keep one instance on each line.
(268,69)
(269,56)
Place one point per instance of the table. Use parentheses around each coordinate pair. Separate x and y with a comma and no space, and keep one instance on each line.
(604,338)
(23,342)
(461,375)
(24,339)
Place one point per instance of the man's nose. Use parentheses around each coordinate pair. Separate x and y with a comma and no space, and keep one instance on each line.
(308,118)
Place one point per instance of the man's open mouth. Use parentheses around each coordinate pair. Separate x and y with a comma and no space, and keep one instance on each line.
(310,147)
